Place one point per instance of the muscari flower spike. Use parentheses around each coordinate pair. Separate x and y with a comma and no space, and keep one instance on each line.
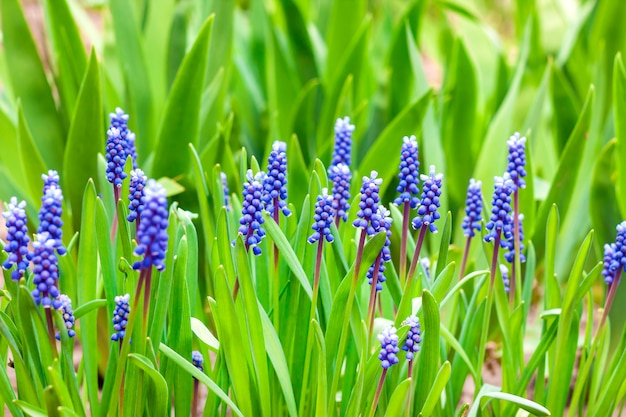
(116,148)
(473,209)
(197,360)
(341,176)
(500,223)
(607,264)
(388,347)
(517,160)
(120,316)
(323,218)
(45,272)
(413,337)
(427,212)
(409,173)
(119,120)
(17,239)
(49,180)
(509,255)
(251,208)
(385,226)
(367,216)
(342,152)
(152,232)
(68,315)
(136,194)
(275,181)
(505,277)
(225,189)
(50,217)
(615,255)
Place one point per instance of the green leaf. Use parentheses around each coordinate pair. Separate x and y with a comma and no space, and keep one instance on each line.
(204,334)
(180,122)
(397,402)
(619,116)
(85,138)
(158,402)
(32,162)
(434,396)
(523,403)
(30,409)
(88,307)
(429,356)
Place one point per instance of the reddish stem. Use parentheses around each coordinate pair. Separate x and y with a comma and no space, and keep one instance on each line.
(371,312)
(609,299)
(416,255)
(405,235)
(51,335)
(116,195)
(378,391)
(465,257)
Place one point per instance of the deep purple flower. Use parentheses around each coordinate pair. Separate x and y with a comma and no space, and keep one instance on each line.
(367,216)
(68,315)
(120,317)
(116,148)
(473,209)
(226,192)
(427,212)
(413,337)
(45,272)
(52,179)
(197,360)
(17,239)
(509,255)
(608,271)
(251,209)
(152,233)
(323,218)
(388,347)
(505,277)
(500,223)
(342,153)
(384,226)
(136,194)
(119,120)
(341,176)
(615,255)
(409,173)
(275,181)
(517,160)
(50,217)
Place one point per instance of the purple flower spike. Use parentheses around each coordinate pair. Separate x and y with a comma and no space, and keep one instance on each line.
(500,222)
(615,255)
(275,181)
(409,173)
(152,232)
(251,208)
(225,189)
(50,217)
(52,179)
(136,194)
(323,218)
(505,277)
(367,216)
(341,176)
(427,212)
(385,226)
(510,254)
(197,360)
(517,160)
(68,315)
(116,157)
(17,239)
(45,272)
(120,317)
(388,347)
(413,337)
(342,153)
(119,120)
(607,271)
(473,209)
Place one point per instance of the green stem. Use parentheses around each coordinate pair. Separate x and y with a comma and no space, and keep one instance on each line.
(465,257)
(371,311)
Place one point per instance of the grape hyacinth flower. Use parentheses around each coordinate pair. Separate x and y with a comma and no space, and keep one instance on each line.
(388,357)
(197,360)
(409,174)
(116,148)
(505,278)
(367,216)
(473,209)
(226,192)
(251,208)
(510,254)
(517,160)
(50,217)
(385,253)
(152,233)
(275,181)
(121,314)
(427,213)
(341,176)
(342,152)
(51,179)
(45,271)
(413,337)
(323,218)
(136,194)
(608,264)
(68,315)
(500,223)
(614,264)
(17,239)
(119,120)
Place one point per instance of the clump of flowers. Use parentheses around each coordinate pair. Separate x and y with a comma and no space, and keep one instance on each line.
(342,153)
(51,179)
(50,216)
(367,216)
(17,239)
(413,338)
(275,181)
(45,272)
(385,252)
(473,209)
(517,160)
(408,187)
(120,317)
(68,315)
(116,158)
(340,175)
(427,212)
(136,194)
(152,233)
(251,208)
(500,224)
(509,255)
(388,347)
(323,218)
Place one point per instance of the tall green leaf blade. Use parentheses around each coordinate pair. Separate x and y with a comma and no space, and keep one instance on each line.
(429,355)
(619,115)
(159,400)
(180,122)
(32,162)
(434,395)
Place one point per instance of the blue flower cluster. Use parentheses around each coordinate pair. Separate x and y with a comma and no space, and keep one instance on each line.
(607,264)
(388,347)
(251,208)
(342,152)
(427,212)
(136,194)
(517,160)
(152,232)
(323,218)
(45,272)
(275,181)
(17,239)
(385,226)
(197,360)
(225,189)
(50,180)
(341,176)
(413,337)
(505,277)
(68,315)
(367,216)
(473,209)
(50,216)
(120,317)
(509,255)
(409,173)
(115,156)
(500,223)
(615,255)
(119,120)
